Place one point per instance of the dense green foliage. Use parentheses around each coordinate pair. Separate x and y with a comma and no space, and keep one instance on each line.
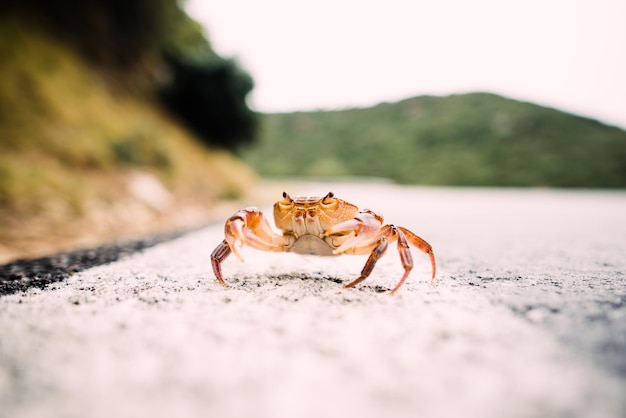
(209,96)
(152,47)
(113,34)
(61,124)
(471,139)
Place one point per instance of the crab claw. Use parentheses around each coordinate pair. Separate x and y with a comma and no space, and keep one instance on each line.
(362,227)
(249,227)
(235,234)
(246,227)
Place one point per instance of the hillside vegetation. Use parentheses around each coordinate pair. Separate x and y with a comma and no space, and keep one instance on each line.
(89,155)
(476,139)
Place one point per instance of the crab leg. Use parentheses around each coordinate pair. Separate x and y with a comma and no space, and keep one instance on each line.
(217,257)
(422,245)
(405,256)
(378,252)
(245,227)
(390,233)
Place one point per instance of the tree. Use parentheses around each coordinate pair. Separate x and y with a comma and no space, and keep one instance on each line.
(209,96)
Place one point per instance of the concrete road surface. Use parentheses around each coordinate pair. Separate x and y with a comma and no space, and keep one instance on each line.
(527,318)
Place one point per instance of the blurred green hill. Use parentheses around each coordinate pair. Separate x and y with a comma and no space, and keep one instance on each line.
(476,139)
(97,139)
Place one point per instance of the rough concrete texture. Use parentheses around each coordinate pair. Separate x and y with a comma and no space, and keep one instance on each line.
(527,318)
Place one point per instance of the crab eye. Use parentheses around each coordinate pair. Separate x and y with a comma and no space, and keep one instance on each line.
(284,204)
(328,199)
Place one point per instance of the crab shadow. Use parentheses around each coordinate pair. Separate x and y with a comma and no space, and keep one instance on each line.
(318,281)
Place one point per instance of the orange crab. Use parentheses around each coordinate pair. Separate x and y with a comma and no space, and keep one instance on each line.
(322,226)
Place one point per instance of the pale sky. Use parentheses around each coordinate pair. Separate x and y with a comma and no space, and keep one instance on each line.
(329,54)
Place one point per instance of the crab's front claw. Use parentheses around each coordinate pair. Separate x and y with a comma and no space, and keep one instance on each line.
(246,227)
(363,228)
(235,233)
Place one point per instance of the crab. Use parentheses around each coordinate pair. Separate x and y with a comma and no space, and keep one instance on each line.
(323,226)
